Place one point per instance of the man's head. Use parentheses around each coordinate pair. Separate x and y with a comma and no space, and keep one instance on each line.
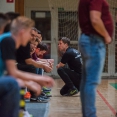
(11,16)
(39,36)
(33,46)
(63,44)
(21,29)
(33,34)
(3,22)
(41,49)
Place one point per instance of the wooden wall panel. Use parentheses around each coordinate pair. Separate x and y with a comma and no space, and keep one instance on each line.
(19,6)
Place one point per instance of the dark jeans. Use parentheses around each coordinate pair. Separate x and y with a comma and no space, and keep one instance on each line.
(70,78)
(9,97)
(27,68)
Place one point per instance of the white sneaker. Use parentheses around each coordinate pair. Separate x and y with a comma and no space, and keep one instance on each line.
(26,114)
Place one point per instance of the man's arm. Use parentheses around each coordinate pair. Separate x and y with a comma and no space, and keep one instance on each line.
(41,80)
(98,25)
(30,61)
(60,65)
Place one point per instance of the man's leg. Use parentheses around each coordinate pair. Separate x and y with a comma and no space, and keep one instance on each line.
(30,69)
(64,90)
(67,75)
(9,97)
(93,54)
(74,77)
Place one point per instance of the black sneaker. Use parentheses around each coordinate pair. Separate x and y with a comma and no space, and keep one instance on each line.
(71,92)
(33,98)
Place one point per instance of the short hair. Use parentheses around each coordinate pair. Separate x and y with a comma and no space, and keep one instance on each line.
(12,15)
(65,40)
(42,46)
(3,20)
(21,22)
(33,28)
(38,31)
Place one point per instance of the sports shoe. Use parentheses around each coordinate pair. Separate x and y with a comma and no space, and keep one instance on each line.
(46,89)
(27,96)
(41,99)
(33,98)
(71,92)
(46,94)
(23,113)
(45,97)
(26,114)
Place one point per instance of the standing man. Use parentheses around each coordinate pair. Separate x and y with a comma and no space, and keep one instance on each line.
(72,75)
(96,28)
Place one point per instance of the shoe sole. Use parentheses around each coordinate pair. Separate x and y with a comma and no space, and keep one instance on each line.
(70,94)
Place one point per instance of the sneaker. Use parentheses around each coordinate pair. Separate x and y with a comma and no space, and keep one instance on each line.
(46,89)
(27,96)
(42,100)
(46,94)
(33,98)
(71,92)
(26,114)
(23,113)
(45,97)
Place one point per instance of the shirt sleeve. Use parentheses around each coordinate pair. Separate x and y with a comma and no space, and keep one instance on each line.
(8,49)
(95,5)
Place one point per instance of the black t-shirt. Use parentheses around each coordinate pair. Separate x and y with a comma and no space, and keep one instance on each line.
(73,58)
(8,49)
(23,53)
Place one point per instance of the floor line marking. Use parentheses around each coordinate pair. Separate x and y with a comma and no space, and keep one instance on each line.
(107,103)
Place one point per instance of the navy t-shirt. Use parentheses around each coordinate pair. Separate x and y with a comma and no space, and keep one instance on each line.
(8,49)
(23,53)
(73,58)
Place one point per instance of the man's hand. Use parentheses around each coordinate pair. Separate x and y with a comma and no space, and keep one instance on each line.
(45,81)
(47,68)
(60,65)
(57,66)
(108,40)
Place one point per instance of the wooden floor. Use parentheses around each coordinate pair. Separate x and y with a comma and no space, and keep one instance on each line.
(106,101)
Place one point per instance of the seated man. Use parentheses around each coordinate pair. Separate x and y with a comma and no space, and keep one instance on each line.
(72,75)
(25,62)
(40,50)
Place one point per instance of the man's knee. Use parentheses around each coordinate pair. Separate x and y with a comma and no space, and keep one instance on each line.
(14,84)
(60,70)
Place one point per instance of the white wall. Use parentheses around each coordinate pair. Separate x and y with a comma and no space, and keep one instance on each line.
(5,7)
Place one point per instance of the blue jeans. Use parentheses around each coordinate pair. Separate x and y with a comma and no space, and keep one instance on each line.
(9,97)
(93,52)
(39,71)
